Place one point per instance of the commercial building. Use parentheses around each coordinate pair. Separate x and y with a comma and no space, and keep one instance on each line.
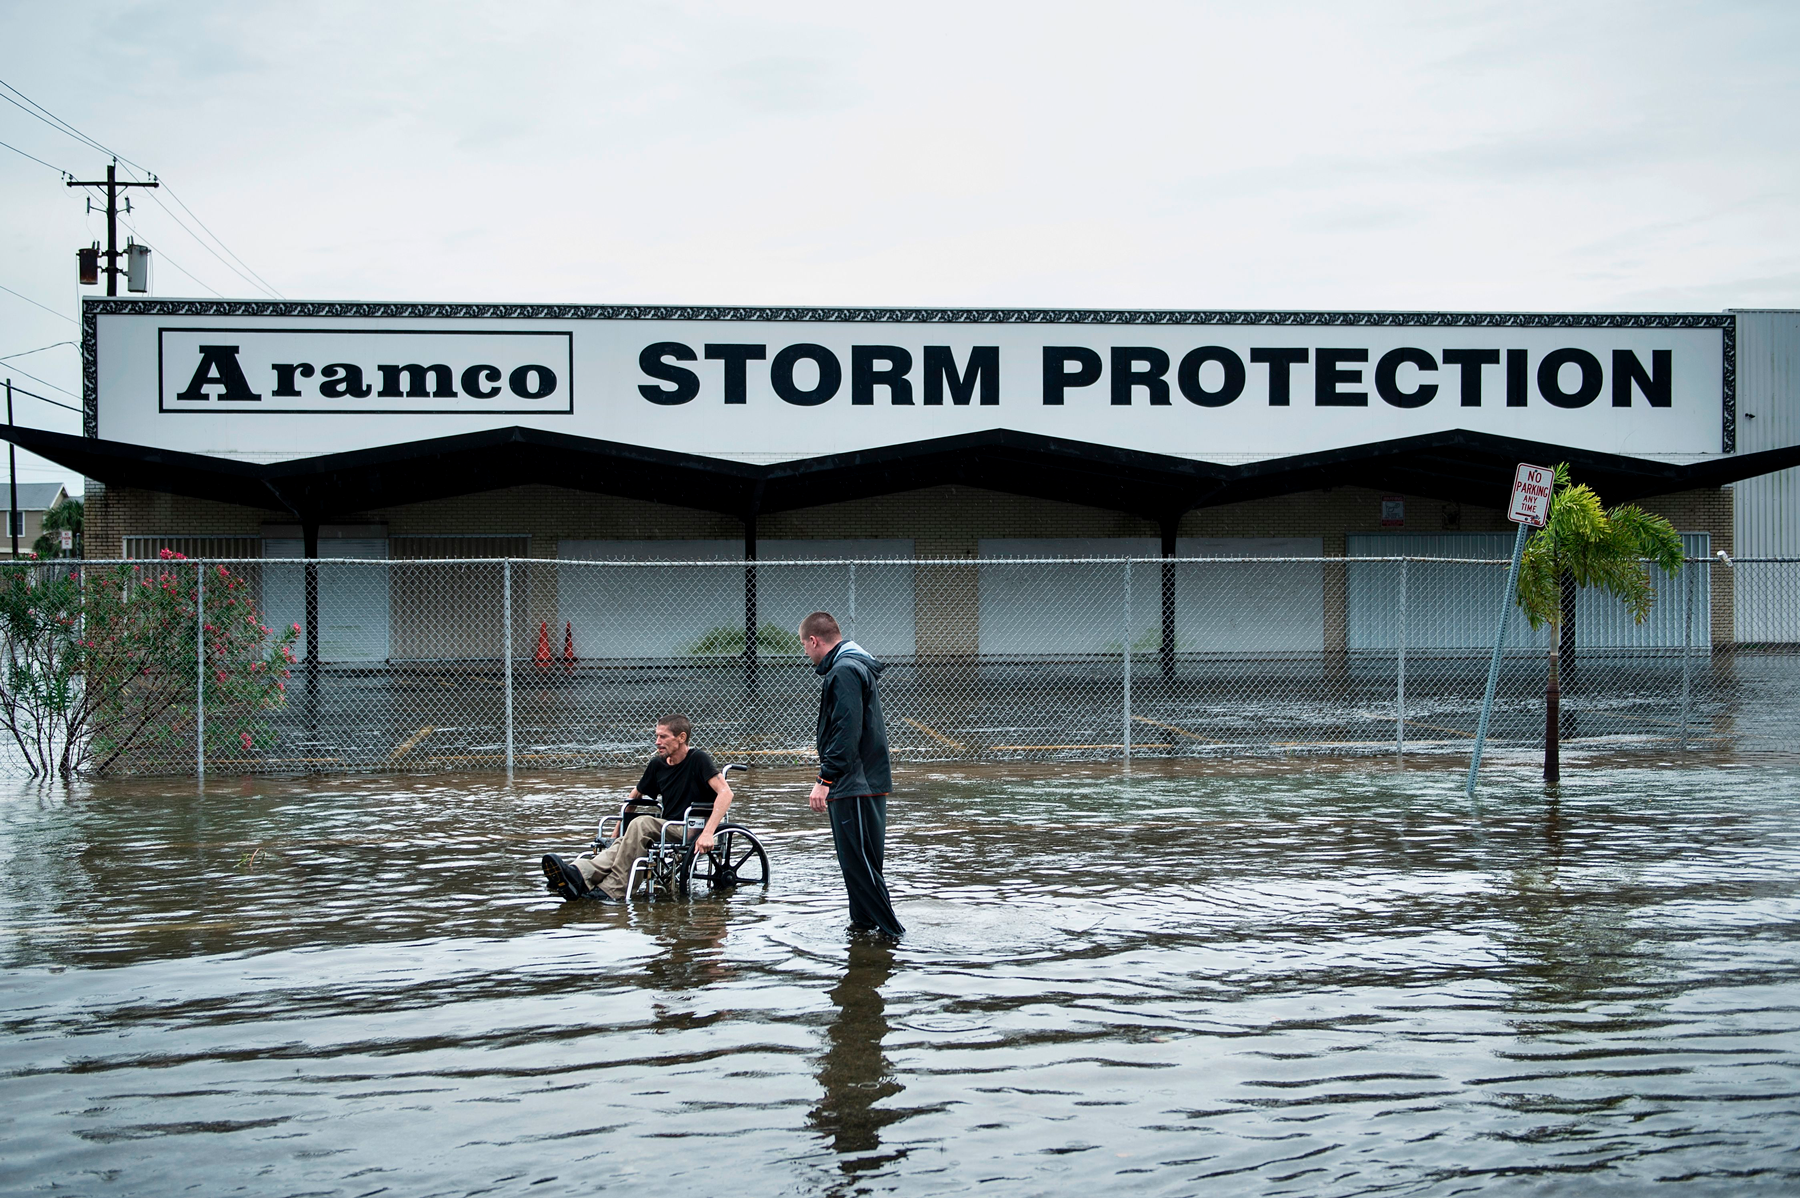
(409,431)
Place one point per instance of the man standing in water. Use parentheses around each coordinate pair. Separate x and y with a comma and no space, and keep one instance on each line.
(854,777)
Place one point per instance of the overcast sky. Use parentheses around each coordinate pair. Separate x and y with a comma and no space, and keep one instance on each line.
(1481,156)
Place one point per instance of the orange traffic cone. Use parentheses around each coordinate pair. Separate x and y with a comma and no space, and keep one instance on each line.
(568,646)
(543,658)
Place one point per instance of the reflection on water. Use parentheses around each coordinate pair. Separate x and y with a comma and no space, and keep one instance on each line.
(854,1074)
(1318,982)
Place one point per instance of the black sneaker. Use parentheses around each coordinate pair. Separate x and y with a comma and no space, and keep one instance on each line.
(563,878)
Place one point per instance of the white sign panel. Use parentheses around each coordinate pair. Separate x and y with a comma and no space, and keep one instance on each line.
(1531,495)
(296,380)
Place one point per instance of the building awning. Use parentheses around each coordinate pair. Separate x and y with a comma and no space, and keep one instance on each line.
(1456,466)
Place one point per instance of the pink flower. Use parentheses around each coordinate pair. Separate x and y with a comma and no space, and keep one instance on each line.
(208,627)
(221,675)
(281,686)
(296,628)
(223,572)
(246,739)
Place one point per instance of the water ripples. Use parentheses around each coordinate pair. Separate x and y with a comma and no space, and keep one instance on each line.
(1316,982)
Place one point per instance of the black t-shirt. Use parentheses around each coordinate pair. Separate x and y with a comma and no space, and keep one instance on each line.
(680,786)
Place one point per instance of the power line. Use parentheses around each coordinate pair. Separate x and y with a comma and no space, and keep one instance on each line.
(18,390)
(44,382)
(40,349)
(15,149)
(164,254)
(215,237)
(55,122)
(35,304)
(267,290)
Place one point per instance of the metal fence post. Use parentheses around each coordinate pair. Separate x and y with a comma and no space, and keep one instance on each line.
(200,671)
(1400,673)
(853,599)
(506,619)
(1687,651)
(1126,655)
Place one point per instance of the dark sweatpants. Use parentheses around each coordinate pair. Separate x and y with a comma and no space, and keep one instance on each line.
(859,832)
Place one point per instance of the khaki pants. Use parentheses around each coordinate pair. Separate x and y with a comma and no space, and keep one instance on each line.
(610,869)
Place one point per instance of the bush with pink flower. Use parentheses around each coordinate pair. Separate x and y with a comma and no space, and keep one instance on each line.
(101,664)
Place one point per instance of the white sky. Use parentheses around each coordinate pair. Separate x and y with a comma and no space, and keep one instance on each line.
(1481,156)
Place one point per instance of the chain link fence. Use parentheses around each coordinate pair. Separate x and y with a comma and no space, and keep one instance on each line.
(533,664)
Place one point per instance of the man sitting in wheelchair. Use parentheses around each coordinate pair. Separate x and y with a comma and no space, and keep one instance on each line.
(681,777)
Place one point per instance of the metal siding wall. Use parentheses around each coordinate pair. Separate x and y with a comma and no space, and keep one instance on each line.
(1768,389)
(1453,607)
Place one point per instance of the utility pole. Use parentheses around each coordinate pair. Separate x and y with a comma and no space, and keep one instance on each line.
(112,185)
(12,474)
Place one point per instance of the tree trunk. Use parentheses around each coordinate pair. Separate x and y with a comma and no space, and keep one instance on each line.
(1552,704)
(1567,646)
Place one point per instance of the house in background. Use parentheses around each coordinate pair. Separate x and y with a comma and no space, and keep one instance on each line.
(35,500)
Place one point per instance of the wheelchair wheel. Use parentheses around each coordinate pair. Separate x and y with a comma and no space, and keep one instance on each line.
(736,859)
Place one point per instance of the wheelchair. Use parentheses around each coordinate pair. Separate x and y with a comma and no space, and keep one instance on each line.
(673,868)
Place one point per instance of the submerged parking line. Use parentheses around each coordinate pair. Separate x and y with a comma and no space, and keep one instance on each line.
(410,743)
(934,734)
(1112,744)
(1144,719)
(1369,715)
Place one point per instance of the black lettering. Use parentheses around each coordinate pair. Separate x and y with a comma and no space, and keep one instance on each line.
(734,355)
(1140,366)
(781,374)
(1518,377)
(219,368)
(864,377)
(476,378)
(1279,361)
(341,379)
(1058,380)
(1387,382)
(650,361)
(1657,386)
(1550,378)
(284,377)
(441,387)
(940,371)
(1471,361)
(1188,376)
(531,382)
(1327,377)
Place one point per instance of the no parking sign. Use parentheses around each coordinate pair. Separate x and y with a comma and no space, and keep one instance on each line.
(1531,495)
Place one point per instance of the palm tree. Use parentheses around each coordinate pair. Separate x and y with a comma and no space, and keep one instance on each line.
(1589,546)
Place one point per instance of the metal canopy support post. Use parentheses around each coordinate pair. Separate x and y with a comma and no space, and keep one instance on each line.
(750,680)
(1400,673)
(506,649)
(200,672)
(1493,679)
(1169,543)
(1126,656)
(1687,650)
(309,532)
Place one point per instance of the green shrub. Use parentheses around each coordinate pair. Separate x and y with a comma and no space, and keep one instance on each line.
(772,640)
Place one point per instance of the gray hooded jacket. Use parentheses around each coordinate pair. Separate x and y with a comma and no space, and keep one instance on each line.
(852,738)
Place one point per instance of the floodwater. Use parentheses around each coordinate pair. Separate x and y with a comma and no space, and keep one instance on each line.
(1331,980)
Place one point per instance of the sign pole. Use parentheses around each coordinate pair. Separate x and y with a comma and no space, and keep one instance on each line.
(1530,508)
